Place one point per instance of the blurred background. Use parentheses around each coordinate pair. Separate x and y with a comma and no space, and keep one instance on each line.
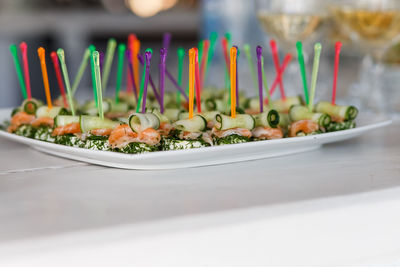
(369,75)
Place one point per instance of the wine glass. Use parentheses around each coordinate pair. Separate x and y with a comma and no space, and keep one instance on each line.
(289,21)
(373,26)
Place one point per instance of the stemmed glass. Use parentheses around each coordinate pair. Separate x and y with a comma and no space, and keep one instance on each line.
(372,25)
(289,21)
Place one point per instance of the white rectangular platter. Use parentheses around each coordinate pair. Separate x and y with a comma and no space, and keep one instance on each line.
(199,156)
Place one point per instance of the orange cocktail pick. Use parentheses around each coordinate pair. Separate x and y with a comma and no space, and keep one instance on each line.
(42,58)
(192,59)
(135,61)
(233,81)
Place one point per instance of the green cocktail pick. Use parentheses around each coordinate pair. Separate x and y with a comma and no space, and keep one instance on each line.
(228,37)
(92,48)
(314,75)
(61,57)
(81,70)
(121,56)
(264,78)
(96,61)
(14,53)
(200,52)
(213,40)
(139,103)
(181,56)
(110,51)
(300,57)
(247,52)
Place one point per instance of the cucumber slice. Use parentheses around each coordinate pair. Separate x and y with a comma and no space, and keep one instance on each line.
(44,111)
(284,105)
(90,107)
(284,120)
(269,118)
(140,122)
(62,120)
(172,113)
(345,113)
(89,123)
(160,116)
(30,106)
(297,113)
(225,122)
(210,115)
(196,124)
(120,107)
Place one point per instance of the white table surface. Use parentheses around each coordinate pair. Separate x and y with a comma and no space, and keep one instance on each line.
(336,206)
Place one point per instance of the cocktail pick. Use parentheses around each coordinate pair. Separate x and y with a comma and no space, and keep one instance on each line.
(143,83)
(129,47)
(92,48)
(192,62)
(197,81)
(24,52)
(81,70)
(181,56)
(128,53)
(14,53)
(57,70)
(101,60)
(175,83)
(166,40)
(264,77)
(228,37)
(224,43)
(42,58)
(153,86)
(237,75)
(281,71)
(147,56)
(200,48)
(111,45)
(275,57)
(61,57)
(163,55)
(120,69)
(300,57)
(314,75)
(338,46)
(249,58)
(135,61)
(233,53)
(260,77)
(96,61)
(213,40)
(204,59)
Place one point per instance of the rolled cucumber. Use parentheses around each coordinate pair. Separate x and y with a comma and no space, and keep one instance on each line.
(62,120)
(225,122)
(44,111)
(345,113)
(196,124)
(284,120)
(30,106)
(297,113)
(172,113)
(140,122)
(119,107)
(284,105)
(160,116)
(269,118)
(90,108)
(89,123)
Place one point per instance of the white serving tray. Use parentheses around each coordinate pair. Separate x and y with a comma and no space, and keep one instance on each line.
(199,156)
